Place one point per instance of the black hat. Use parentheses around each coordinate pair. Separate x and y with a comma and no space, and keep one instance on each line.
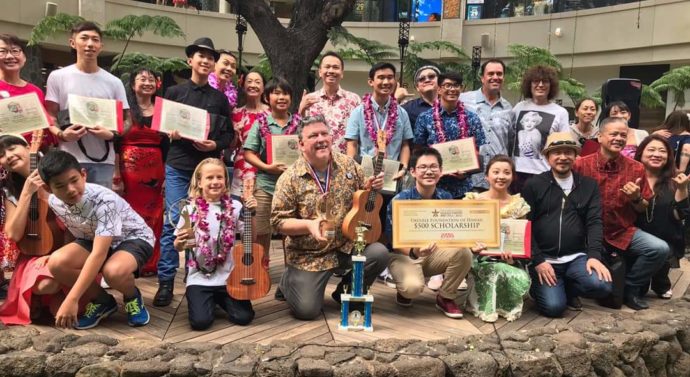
(203,43)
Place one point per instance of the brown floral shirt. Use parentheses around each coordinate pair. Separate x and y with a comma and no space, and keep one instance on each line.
(296,196)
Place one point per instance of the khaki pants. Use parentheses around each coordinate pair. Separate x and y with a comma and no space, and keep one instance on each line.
(409,274)
(263,212)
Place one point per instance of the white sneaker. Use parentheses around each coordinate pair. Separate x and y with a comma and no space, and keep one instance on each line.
(435,282)
(386,278)
(104,284)
(463,286)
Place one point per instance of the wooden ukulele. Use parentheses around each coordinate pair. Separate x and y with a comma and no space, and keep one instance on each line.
(42,234)
(249,279)
(366,204)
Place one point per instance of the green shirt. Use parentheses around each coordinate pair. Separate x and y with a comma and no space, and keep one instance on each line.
(255,142)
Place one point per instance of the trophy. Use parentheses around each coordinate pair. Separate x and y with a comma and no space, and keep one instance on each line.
(327,211)
(357,321)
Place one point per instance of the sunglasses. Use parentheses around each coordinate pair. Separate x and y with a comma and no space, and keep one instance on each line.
(429,77)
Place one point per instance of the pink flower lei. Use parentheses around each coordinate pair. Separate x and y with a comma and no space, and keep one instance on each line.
(391,118)
(230,89)
(438,123)
(205,258)
(266,132)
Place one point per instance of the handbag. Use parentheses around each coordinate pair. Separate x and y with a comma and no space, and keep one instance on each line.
(613,260)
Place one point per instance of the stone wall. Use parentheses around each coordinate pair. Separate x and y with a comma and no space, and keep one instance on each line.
(648,343)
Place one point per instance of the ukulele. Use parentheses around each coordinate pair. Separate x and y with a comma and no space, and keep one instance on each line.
(366,204)
(42,234)
(249,279)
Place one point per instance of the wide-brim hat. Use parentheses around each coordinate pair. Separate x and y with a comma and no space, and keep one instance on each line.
(559,140)
(203,43)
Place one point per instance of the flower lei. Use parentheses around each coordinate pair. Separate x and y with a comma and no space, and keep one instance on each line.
(438,123)
(391,118)
(212,257)
(266,132)
(230,89)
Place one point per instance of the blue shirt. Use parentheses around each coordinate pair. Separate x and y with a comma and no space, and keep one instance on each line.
(357,130)
(497,121)
(414,108)
(410,194)
(425,134)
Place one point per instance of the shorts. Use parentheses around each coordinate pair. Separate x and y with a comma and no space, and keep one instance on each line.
(139,249)
(263,212)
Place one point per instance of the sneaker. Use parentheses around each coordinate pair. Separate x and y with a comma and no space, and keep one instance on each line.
(137,315)
(463,286)
(448,307)
(95,312)
(402,300)
(386,278)
(435,282)
(574,304)
(666,295)
(104,284)
(279,296)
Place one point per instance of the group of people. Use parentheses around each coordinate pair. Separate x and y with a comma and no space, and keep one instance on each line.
(596,194)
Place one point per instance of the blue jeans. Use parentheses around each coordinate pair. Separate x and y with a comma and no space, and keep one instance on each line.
(99,173)
(572,280)
(176,187)
(645,256)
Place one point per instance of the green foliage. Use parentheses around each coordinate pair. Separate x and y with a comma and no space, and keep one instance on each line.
(264,67)
(677,81)
(52,25)
(459,62)
(129,62)
(651,98)
(126,27)
(358,48)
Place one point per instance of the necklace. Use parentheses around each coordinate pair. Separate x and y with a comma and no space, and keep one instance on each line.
(390,123)
(650,215)
(230,91)
(438,122)
(266,132)
(206,257)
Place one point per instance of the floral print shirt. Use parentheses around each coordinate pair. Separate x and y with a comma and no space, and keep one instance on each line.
(425,134)
(337,111)
(296,197)
(243,120)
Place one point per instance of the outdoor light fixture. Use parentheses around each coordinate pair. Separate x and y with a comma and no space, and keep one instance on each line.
(241,29)
(404,37)
(476,63)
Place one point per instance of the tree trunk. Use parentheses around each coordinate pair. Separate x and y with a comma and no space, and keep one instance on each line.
(293,49)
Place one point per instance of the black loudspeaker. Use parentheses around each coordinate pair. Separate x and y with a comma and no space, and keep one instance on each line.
(626,90)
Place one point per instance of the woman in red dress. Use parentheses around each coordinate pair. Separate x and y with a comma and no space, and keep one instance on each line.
(142,154)
(242,119)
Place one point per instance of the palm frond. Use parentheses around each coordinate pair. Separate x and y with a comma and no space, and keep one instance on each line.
(51,25)
(456,50)
(129,62)
(651,98)
(677,81)
(126,27)
(573,88)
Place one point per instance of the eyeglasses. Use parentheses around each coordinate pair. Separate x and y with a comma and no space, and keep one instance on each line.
(15,52)
(424,168)
(541,82)
(449,86)
(429,77)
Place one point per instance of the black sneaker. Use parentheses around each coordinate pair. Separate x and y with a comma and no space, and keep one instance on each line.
(3,289)
(636,303)
(164,295)
(402,300)
(574,304)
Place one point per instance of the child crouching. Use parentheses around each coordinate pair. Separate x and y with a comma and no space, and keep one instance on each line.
(110,238)
(215,222)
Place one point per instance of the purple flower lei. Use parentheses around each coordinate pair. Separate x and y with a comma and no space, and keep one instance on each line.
(391,118)
(211,258)
(438,123)
(266,132)
(230,89)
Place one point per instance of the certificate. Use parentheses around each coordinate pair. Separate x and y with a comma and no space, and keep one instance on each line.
(92,112)
(516,237)
(22,114)
(282,149)
(449,223)
(191,122)
(459,155)
(390,169)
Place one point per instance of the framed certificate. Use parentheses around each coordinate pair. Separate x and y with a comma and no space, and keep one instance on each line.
(22,114)
(449,223)
(459,155)
(191,122)
(282,149)
(390,169)
(92,112)
(516,237)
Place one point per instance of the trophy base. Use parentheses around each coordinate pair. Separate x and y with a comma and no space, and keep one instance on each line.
(356,328)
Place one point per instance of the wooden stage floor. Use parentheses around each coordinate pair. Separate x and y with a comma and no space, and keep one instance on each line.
(273,321)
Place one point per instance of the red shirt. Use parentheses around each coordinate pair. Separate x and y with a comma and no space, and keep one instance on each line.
(618,212)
